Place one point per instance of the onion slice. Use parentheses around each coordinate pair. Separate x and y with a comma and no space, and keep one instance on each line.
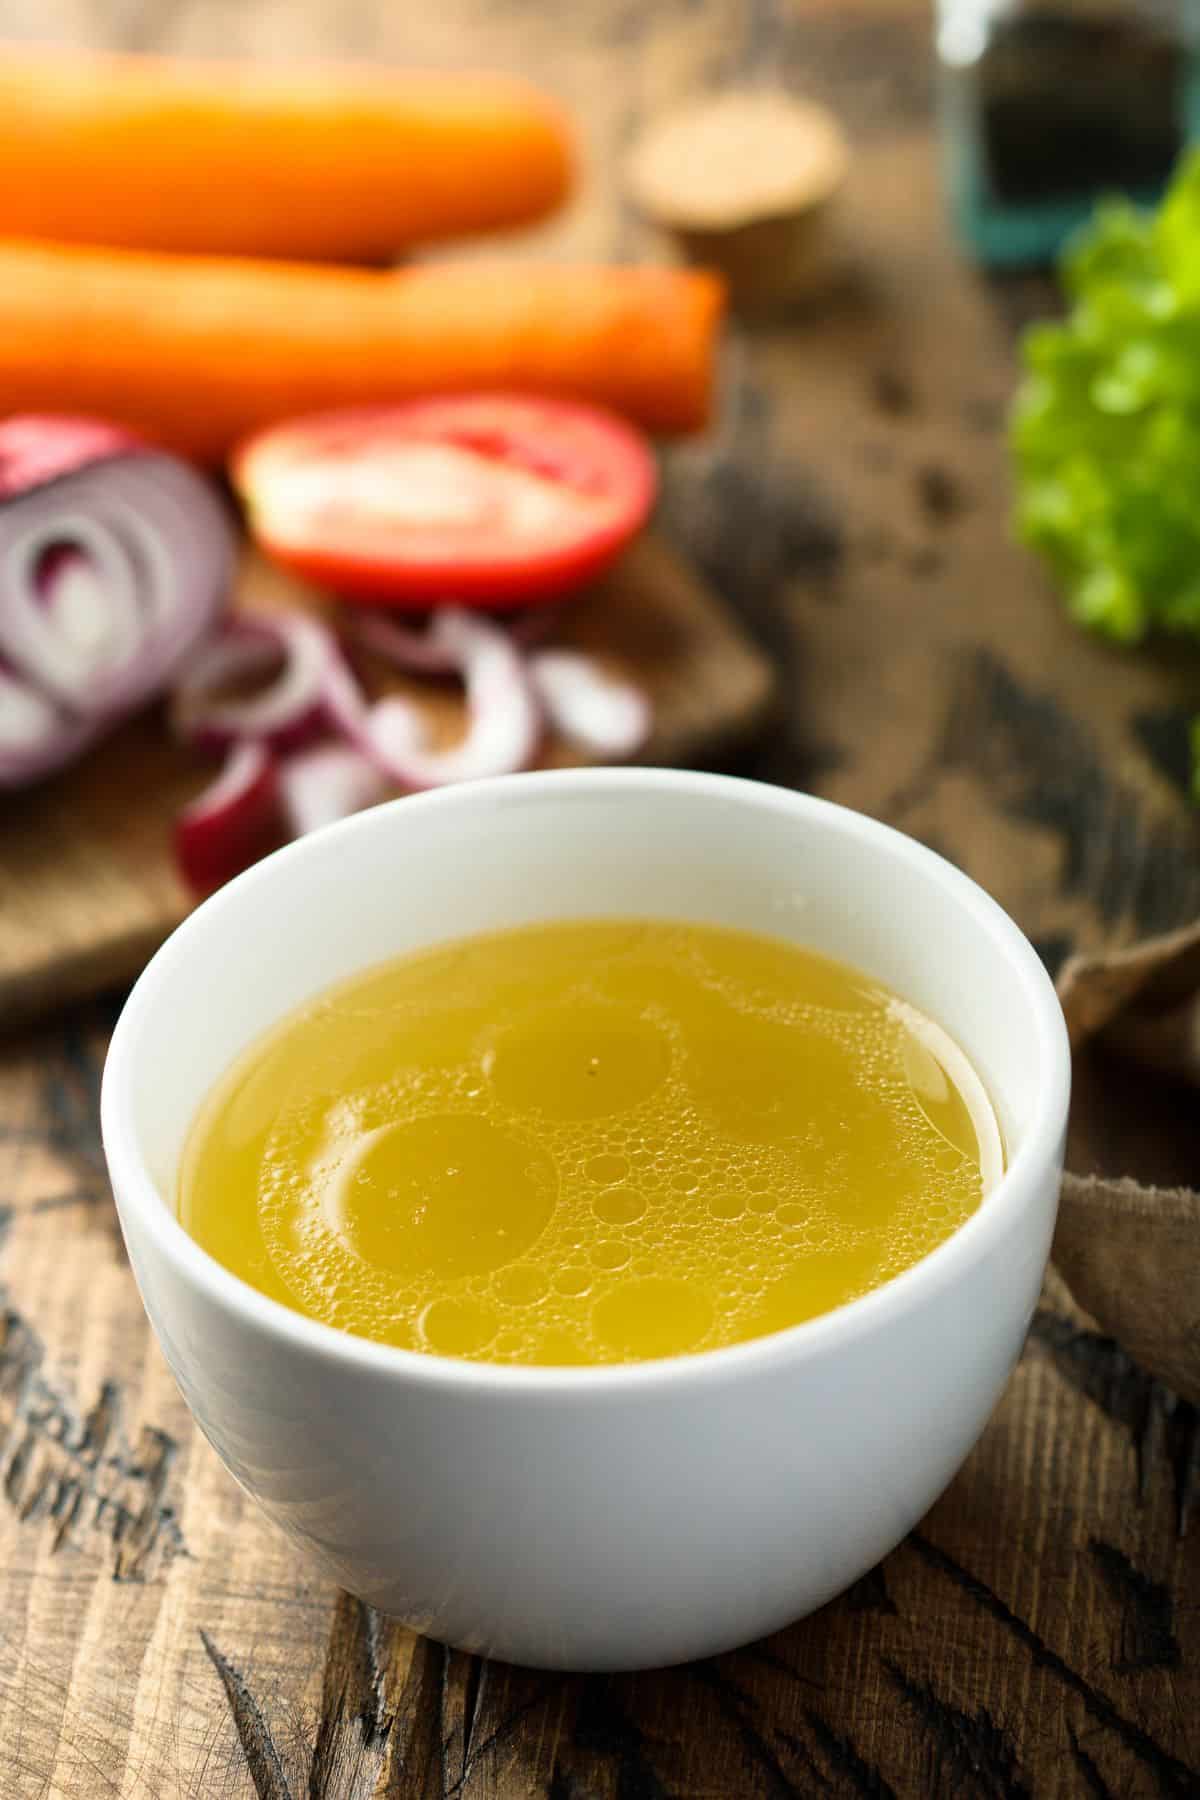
(329,782)
(594,711)
(309,689)
(312,693)
(504,723)
(415,650)
(420,650)
(115,561)
(233,822)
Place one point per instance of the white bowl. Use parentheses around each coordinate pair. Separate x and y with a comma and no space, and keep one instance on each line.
(641,1514)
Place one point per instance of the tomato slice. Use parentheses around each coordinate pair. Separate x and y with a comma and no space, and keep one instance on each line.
(491,499)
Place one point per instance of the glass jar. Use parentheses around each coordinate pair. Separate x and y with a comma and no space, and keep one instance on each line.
(1048,104)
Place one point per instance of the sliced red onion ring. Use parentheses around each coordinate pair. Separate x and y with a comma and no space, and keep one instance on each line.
(329,782)
(504,720)
(313,692)
(115,560)
(233,822)
(420,651)
(309,691)
(416,649)
(596,712)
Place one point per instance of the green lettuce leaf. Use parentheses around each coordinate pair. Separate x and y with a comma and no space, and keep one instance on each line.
(1106,425)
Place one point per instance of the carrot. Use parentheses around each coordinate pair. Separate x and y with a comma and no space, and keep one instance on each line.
(318,161)
(196,351)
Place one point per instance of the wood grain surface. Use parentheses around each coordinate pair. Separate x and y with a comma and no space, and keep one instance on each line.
(88,883)
(1039,1633)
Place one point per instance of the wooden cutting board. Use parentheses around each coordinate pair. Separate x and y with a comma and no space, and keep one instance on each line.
(87,883)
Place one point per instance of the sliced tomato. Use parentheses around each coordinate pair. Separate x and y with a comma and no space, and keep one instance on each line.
(490,499)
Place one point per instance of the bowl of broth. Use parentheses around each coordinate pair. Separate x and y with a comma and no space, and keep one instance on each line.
(595,1212)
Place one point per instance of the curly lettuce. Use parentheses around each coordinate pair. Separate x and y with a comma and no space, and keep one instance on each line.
(1106,426)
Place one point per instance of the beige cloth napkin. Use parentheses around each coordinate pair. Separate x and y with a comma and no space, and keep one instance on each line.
(1129,1251)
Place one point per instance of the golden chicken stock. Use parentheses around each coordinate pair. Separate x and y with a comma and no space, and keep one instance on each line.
(589,1142)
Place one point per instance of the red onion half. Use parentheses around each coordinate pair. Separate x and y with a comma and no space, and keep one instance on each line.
(39,447)
(36,735)
(115,560)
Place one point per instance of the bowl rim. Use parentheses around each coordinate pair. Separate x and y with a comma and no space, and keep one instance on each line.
(139,1198)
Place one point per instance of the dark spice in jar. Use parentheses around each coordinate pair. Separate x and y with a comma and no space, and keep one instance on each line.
(1073,104)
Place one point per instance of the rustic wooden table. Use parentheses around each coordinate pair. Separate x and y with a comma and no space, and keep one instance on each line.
(1039,1634)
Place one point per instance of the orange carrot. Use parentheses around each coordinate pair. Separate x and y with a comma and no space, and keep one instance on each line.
(195,351)
(314,161)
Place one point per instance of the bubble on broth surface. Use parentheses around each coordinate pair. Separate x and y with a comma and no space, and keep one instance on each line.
(658,1316)
(619,1206)
(522,1284)
(460,1326)
(407,1199)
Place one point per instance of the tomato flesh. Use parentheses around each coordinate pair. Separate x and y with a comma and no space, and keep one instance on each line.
(495,499)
